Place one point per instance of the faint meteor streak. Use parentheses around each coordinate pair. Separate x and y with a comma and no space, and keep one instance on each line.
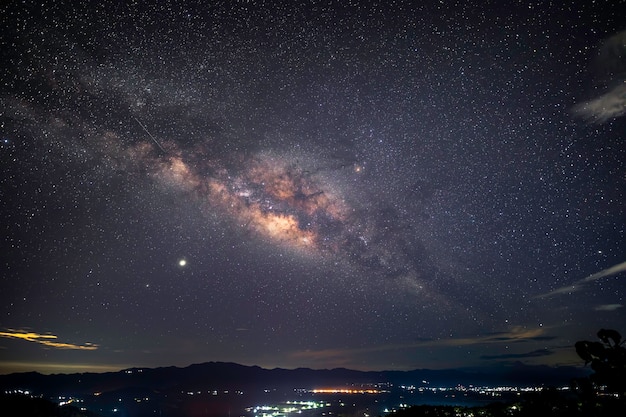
(578,285)
(150,134)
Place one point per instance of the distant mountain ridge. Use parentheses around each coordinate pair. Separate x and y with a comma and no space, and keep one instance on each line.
(232,376)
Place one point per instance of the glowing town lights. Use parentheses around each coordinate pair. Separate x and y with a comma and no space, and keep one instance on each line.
(346,391)
(285,409)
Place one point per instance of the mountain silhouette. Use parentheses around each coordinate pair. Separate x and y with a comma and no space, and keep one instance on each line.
(232,376)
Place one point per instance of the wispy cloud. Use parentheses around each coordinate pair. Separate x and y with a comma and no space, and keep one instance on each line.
(581,283)
(516,334)
(608,106)
(49,340)
(610,69)
(533,354)
(608,307)
(338,357)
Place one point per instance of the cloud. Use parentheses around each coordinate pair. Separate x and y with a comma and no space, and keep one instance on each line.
(605,107)
(580,284)
(533,354)
(542,338)
(343,356)
(606,272)
(516,334)
(610,70)
(45,339)
(608,307)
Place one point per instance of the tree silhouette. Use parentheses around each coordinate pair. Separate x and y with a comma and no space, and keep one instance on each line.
(607,359)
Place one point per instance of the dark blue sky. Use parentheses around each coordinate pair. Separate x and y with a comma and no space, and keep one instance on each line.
(310,184)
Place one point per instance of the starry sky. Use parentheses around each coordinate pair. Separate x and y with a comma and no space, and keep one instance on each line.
(369,185)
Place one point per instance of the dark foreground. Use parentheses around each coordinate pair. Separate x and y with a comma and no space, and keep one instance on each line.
(546,403)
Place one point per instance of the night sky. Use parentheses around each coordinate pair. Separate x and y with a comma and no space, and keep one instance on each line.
(392,185)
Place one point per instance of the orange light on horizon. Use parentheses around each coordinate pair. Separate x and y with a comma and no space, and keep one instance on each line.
(346,391)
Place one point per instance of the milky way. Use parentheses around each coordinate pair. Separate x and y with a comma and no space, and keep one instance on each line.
(284,198)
